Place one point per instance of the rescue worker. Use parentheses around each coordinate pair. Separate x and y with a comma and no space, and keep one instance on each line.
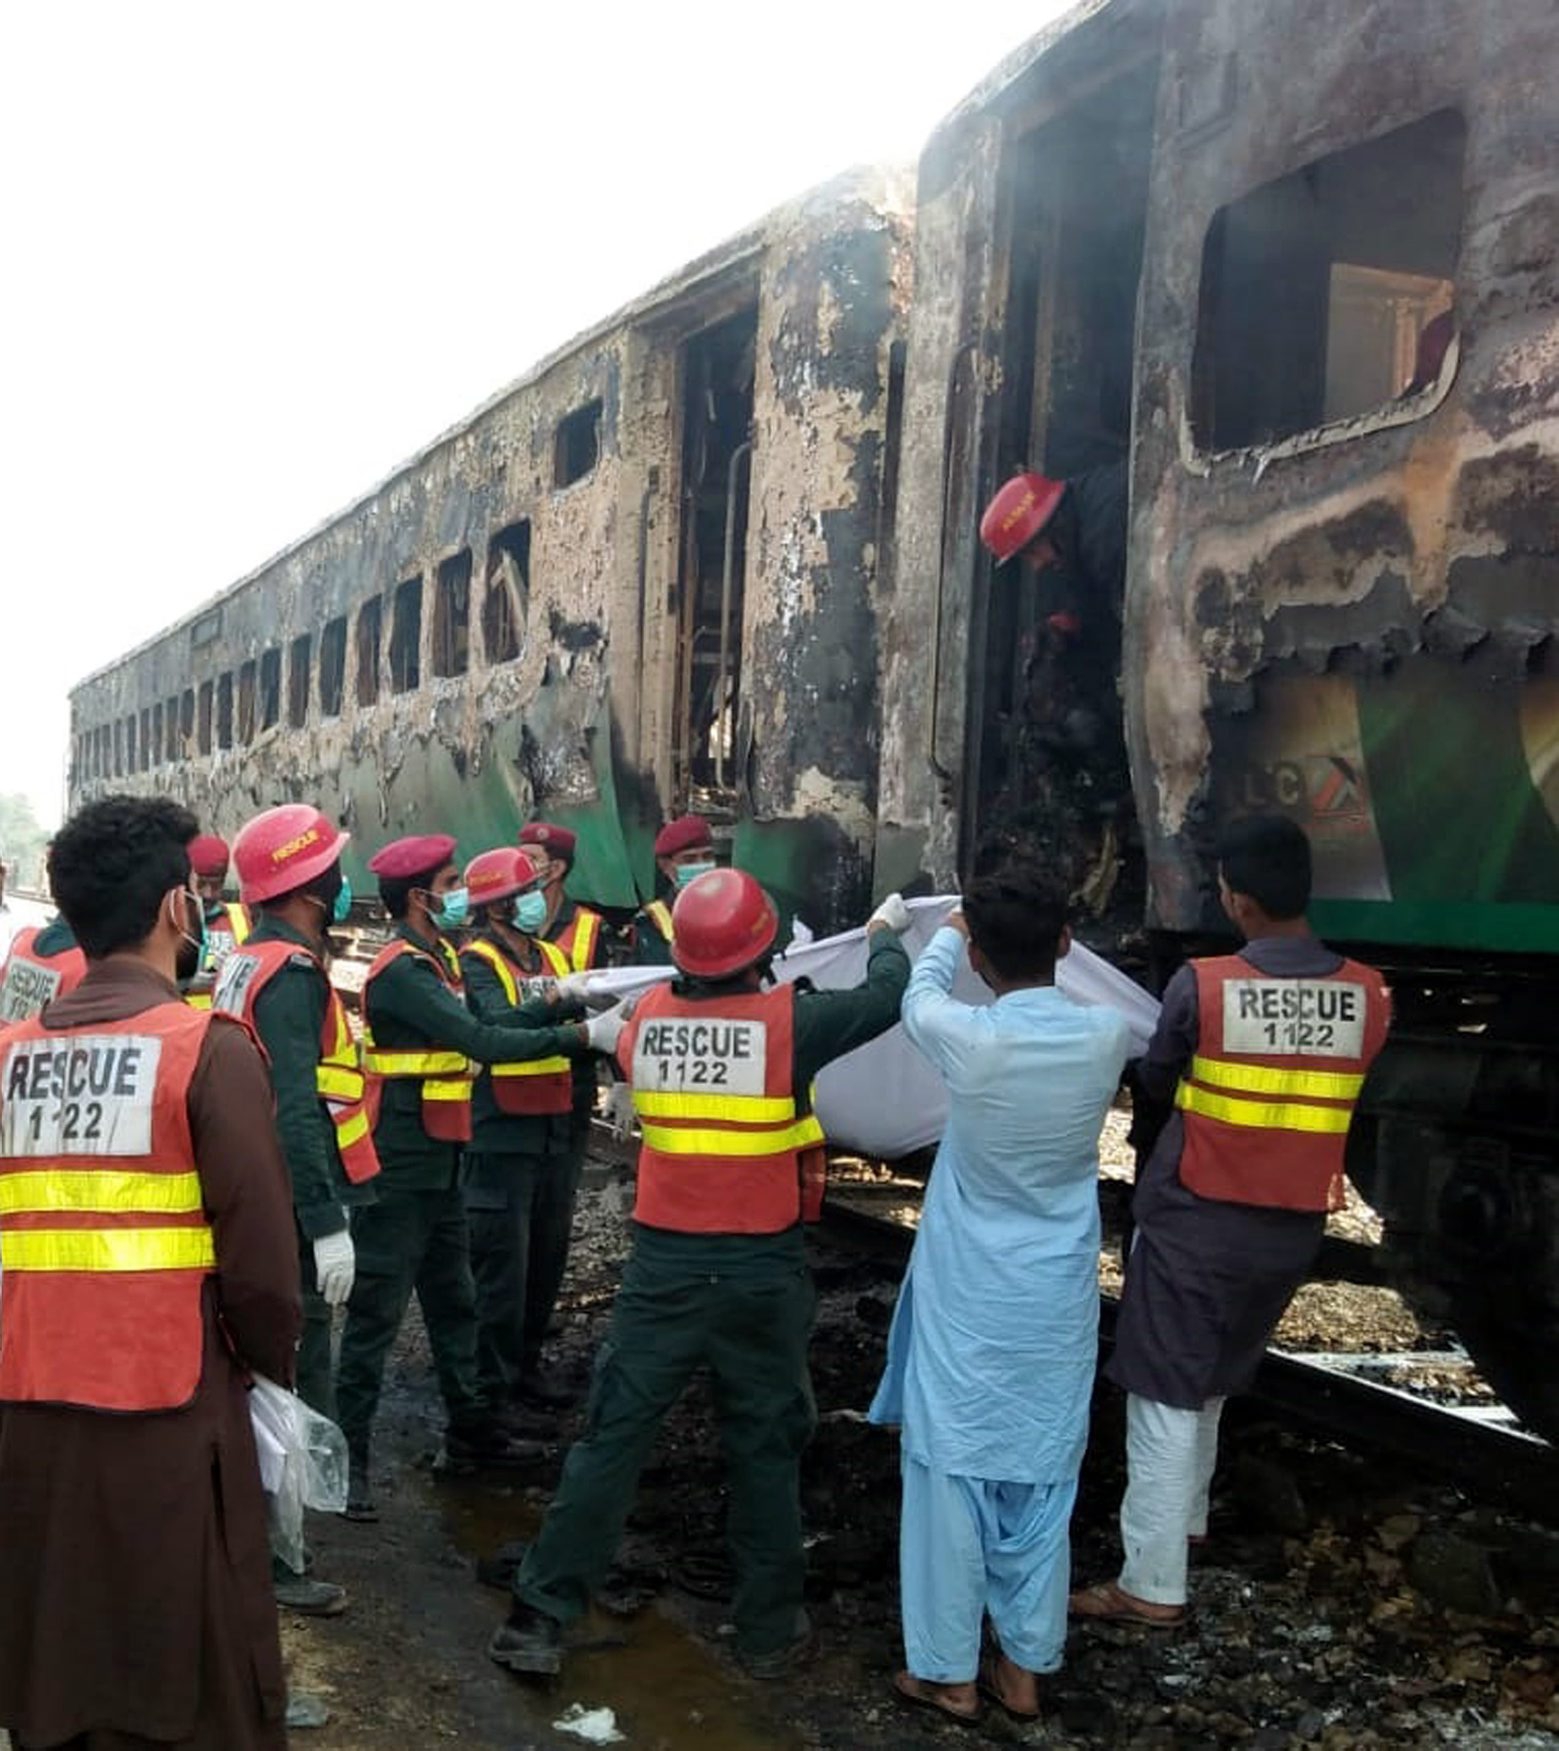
(684,850)
(574,928)
(135,1596)
(1265,1052)
(42,965)
(289,869)
(722,1065)
(528,1142)
(418,1042)
(1069,790)
(227,921)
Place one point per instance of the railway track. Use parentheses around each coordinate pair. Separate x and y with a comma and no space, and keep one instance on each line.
(1426,1407)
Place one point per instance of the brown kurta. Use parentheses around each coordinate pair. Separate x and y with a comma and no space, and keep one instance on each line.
(135,1583)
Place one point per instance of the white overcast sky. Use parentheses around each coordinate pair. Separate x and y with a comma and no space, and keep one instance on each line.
(257,255)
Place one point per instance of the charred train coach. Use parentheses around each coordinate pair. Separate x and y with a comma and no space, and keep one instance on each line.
(1291,269)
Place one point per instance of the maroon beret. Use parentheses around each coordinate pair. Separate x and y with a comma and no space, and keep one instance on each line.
(208,855)
(549,837)
(421,854)
(686,833)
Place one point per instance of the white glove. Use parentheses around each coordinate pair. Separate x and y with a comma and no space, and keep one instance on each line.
(619,1109)
(604,1030)
(335,1265)
(892,912)
(573,987)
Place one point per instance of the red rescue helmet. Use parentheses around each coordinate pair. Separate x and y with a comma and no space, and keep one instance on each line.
(723,922)
(1020,510)
(283,849)
(495,875)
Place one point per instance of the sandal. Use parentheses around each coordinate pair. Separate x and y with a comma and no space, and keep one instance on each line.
(990,1689)
(1106,1603)
(921,1693)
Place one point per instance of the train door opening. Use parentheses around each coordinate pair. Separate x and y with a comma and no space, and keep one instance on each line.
(718,373)
(1047,749)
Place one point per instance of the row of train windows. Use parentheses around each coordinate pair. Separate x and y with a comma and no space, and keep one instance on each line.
(220,714)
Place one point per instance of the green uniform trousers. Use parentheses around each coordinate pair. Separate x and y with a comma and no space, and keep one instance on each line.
(409,1240)
(315,1386)
(747,1317)
(521,1214)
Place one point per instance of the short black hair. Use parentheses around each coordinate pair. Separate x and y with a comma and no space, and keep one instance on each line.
(112,862)
(395,892)
(323,887)
(1016,913)
(1267,858)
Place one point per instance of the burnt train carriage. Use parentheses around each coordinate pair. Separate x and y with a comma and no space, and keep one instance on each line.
(1295,261)
(638,580)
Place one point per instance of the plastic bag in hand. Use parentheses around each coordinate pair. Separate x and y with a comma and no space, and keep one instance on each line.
(302,1465)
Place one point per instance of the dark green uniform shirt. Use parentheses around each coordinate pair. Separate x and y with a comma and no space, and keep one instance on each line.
(56,938)
(411,1009)
(585,1081)
(502,1133)
(650,948)
(289,1016)
(827,1025)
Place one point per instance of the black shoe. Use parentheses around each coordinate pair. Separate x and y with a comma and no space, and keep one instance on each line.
(310,1598)
(360,1503)
(528,1641)
(543,1392)
(488,1446)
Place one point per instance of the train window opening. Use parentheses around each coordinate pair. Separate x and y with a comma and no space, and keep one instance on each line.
(270,689)
(119,751)
(718,374)
(332,667)
(506,604)
(370,627)
(406,637)
(1046,757)
(1328,294)
(130,743)
(187,725)
(298,677)
(146,738)
(246,701)
(225,710)
(157,741)
(105,758)
(577,447)
(170,718)
(207,700)
(452,615)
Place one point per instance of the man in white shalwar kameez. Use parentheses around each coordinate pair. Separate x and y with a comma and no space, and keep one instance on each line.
(992,1349)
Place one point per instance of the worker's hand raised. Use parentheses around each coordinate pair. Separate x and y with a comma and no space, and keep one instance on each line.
(335,1266)
(603,1031)
(892,914)
(573,987)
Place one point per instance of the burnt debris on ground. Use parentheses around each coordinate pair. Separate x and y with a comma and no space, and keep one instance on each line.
(1341,1601)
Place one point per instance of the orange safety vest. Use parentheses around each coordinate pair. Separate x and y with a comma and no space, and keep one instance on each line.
(338,1075)
(728,1148)
(579,939)
(31,980)
(104,1242)
(660,913)
(446,1077)
(220,943)
(1269,1095)
(539,1085)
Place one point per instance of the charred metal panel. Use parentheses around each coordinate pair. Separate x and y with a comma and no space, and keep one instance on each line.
(835,296)
(1326,620)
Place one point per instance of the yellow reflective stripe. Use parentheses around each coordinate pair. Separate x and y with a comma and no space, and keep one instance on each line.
(238,921)
(1270,1079)
(535,1067)
(336,1082)
(555,958)
(433,1089)
(414,1063)
(740,1109)
(485,951)
(351,1128)
(39,1191)
(697,1141)
(198,999)
(661,913)
(1261,1114)
(110,1249)
(586,928)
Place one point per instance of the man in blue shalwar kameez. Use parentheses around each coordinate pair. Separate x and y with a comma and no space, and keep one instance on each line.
(992,1351)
